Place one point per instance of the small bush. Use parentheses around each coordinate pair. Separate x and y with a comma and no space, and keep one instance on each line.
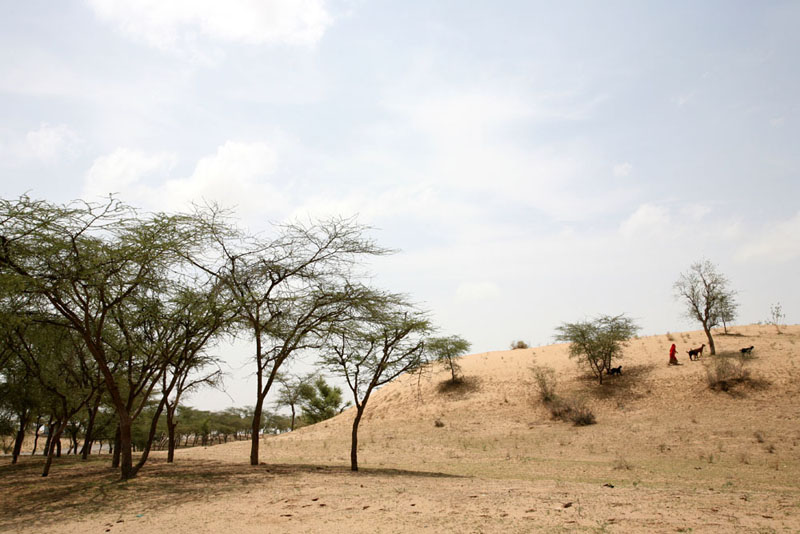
(621,463)
(571,410)
(519,345)
(438,423)
(545,378)
(725,370)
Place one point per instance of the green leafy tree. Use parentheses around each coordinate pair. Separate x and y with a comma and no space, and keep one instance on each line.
(446,351)
(708,299)
(595,344)
(320,401)
(85,262)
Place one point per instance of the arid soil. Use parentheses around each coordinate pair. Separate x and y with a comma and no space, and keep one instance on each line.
(667,454)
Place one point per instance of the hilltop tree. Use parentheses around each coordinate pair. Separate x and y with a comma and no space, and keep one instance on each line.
(704,291)
(383,339)
(446,351)
(597,343)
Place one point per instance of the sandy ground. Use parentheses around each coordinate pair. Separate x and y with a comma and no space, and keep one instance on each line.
(667,454)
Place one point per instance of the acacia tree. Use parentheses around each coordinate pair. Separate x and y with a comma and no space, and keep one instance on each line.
(446,351)
(177,330)
(57,358)
(320,401)
(595,344)
(86,260)
(708,299)
(290,393)
(383,339)
(286,290)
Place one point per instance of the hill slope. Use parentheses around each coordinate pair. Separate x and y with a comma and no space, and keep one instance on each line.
(668,454)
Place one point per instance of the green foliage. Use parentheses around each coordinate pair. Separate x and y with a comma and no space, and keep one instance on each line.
(320,401)
(383,338)
(518,345)
(545,378)
(595,344)
(446,351)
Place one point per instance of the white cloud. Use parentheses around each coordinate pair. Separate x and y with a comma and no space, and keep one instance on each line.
(235,176)
(622,169)
(776,243)
(50,143)
(47,144)
(477,291)
(169,24)
(122,172)
(647,220)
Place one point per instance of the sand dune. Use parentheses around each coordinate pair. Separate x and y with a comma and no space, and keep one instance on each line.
(667,454)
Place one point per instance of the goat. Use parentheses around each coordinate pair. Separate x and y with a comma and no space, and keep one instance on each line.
(694,354)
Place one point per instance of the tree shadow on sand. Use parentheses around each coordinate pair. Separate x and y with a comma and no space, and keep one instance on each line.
(626,387)
(77,489)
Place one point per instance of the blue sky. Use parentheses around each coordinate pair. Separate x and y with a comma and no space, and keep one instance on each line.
(535,162)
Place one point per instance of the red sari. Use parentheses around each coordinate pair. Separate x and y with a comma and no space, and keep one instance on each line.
(672,359)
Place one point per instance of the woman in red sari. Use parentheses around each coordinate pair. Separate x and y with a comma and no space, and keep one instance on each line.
(672,359)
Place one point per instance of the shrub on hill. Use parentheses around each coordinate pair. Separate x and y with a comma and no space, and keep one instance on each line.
(727,369)
(563,409)
(519,345)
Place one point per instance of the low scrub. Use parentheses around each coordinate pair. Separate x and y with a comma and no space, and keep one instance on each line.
(728,369)
(571,410)
(545,378)
(561,408)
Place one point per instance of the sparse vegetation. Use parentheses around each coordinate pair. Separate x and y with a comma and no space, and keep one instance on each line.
(597,343)
(446,351)
(776,316)
(545,378)
(708,299)
(519,345)
(561,408)
(727,369)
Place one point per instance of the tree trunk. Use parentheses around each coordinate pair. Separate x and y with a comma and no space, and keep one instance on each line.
(254,442)
(24,419)
(150,436)
(171,440)
(115,458)
(49,441)
(87,442)
(354,441)
(712,349)
(36,435)
(55,443)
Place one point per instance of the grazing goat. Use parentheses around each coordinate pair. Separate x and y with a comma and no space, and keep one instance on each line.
(747,350)
(614,370)
(694,354)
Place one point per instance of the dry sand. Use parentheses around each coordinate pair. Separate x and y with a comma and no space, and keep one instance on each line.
(667,454)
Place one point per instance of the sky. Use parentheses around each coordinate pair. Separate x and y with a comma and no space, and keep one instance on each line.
(534,163)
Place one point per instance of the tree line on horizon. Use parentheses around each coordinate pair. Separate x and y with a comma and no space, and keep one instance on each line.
(105,309)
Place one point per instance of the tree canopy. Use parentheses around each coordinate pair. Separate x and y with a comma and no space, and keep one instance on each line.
(597,343)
